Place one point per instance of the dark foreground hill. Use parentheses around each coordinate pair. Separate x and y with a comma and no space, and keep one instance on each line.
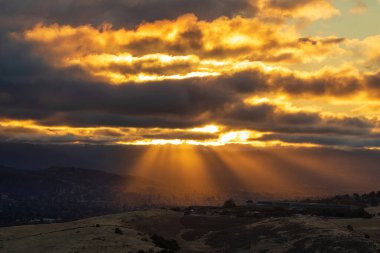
(187,231)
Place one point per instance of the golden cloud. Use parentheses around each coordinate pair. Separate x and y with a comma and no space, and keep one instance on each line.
(255,81)
(177,49)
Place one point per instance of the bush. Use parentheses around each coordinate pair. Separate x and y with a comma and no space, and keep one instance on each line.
(176,209)
(168,245)
(361,213)
(118,231)
(374,202)
(229,204)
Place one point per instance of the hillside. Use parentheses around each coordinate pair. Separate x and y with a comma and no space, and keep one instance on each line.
(159,230)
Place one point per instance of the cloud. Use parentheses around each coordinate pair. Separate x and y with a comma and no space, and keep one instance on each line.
(373,85)
(175,49)
(120,13)
(271,118)
(359,8)
(73,79)
(18,14)
(244,123)
(325,140)
(364,54)
(59,97)
(180,135)
(304,9)
(324,84)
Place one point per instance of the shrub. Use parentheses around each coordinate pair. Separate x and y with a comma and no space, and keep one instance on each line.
(118,231)
(168,245)
(229,204)
(176,209)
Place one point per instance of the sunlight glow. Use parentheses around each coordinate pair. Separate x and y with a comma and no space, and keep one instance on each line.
(233,137)
(207,129)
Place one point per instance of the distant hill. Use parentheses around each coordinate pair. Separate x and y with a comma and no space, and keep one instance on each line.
(63,194)
(275,173)
(67,193)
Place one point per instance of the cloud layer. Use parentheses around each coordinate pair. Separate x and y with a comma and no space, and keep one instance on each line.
(155,72)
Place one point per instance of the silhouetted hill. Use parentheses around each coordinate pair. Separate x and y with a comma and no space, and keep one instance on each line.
(64,193)
(67,193)
(60,178)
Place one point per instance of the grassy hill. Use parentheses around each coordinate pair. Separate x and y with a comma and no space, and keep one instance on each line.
(162,230)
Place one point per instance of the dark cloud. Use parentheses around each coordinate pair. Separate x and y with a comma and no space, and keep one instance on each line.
(183,98)
(17,59)
(314,41)
(156,104)
(372,83)
(290,4)
(117,12)
(270,118)
(325,140)
(329,84)
(31,89)
(98,118)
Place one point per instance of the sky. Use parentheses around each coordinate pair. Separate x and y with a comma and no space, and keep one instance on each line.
(261,73)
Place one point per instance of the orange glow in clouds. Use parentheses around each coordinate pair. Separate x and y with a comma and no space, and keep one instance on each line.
(313,84)
(177,49)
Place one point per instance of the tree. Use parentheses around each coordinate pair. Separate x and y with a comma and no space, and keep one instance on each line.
(356,197)
(374,202)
